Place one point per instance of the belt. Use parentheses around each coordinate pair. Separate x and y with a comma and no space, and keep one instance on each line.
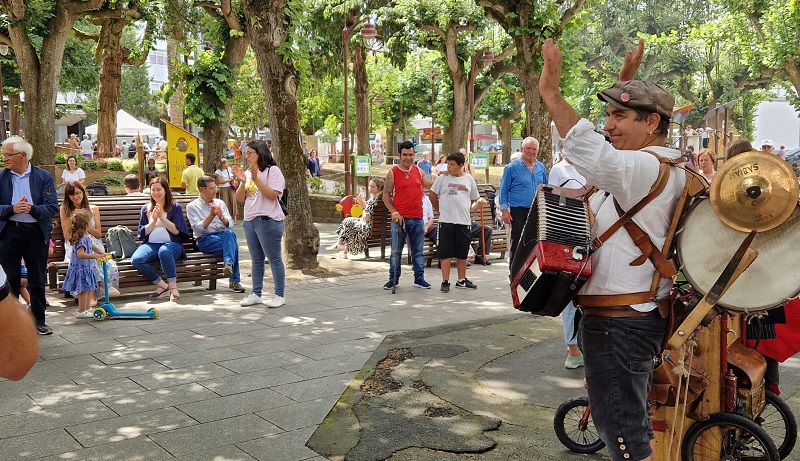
(24,224)
(617,312)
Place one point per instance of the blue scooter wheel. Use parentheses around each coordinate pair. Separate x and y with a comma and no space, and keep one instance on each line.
(153,312)
(99,313)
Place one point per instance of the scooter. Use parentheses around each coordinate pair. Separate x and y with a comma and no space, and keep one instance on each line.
(107,310)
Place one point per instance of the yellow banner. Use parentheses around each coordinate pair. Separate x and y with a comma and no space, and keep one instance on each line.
(179,143)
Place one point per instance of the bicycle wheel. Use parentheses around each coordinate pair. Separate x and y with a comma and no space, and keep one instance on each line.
(778,421)
(574,427)
(726,436)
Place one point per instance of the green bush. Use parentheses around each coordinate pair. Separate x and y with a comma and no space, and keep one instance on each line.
(110,180)
(133,168)
(338,189)
(316,185)
(87,165)
(114,165)
(61,159)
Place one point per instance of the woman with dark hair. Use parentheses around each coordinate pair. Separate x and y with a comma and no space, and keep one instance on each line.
(260,188)
(738,147)
(162,229)
(72,172)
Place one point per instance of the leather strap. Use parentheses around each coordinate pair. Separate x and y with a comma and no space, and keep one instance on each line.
(613,300)
(618,312)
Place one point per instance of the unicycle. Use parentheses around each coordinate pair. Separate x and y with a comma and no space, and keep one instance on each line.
(107,310)
(574,426)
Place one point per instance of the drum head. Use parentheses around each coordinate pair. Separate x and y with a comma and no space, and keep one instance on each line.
(705,246)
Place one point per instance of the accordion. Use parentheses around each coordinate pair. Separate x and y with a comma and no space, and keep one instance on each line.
(552,260)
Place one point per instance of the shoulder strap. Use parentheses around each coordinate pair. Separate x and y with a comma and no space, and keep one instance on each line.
(658,187)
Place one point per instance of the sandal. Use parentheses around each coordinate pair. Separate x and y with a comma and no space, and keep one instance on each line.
(173,296)
(159,291)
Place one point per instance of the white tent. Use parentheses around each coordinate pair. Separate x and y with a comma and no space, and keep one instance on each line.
(128,126)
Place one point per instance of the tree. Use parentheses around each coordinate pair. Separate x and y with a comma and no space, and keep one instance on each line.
(271,28)
(112,53)
(530,23)
(503,106)
(249,106)
(132,97)
(42,60)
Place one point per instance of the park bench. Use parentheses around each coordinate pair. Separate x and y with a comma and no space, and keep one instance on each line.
(124,211)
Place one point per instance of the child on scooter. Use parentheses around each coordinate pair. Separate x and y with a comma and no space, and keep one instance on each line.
(80,278)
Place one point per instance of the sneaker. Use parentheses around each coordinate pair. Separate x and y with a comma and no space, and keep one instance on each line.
(44,330)
(573,362)
(389,285)
(341,255)
(87,314)
(251,300)
(227,269)
(465,284)
(236,287)
(482,262)
(445,287)
(277,301)
(93,303)
(335,247)
(421,283)
(113,291)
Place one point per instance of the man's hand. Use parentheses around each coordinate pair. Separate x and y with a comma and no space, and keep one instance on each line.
(23,206)
(396,217)
(633,59)
(550,79)
(505,215)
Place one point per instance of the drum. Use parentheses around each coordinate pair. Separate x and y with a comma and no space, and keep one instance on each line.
(705,245)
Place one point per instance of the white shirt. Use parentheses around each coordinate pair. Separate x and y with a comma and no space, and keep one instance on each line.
(628,176)
(455,194)
(86,147)
(564,174)
(67,176)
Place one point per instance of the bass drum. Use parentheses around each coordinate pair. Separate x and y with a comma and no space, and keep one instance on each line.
(705,245)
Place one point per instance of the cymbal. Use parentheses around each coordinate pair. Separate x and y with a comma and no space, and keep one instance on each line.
(754,191)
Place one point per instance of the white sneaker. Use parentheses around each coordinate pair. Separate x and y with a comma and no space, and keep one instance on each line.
(277,301)
(113,291)
(341,255)
(87,314)
(251,300)
(335,247)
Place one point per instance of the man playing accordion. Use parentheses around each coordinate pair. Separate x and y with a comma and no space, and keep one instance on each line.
(620,331)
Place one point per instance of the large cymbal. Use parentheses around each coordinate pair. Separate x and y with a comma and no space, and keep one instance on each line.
(754,191)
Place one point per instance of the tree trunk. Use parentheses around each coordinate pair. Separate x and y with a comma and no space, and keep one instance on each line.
(15,113)
(266,29)
(537,118)
(505,136)
(360,90)
(457,134)
(108,98)
(176,100)
(216,133)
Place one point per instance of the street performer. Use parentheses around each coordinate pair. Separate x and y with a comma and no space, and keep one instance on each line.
(621,330)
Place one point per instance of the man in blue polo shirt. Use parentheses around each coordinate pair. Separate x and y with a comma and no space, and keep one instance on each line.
(520,180)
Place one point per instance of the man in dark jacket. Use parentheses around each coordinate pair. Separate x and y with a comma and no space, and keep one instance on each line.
(28,202)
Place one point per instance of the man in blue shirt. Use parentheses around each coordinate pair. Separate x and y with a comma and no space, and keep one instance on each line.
(425,164)
(520,180)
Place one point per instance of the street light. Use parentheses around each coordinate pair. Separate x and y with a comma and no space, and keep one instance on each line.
(434,76)
(369,35)
(3,51)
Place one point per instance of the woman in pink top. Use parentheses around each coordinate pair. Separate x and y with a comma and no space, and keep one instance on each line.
(260,188)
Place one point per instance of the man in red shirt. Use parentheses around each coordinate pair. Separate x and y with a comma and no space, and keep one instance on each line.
(402,195)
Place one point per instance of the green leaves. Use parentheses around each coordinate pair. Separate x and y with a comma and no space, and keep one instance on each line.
(206,83)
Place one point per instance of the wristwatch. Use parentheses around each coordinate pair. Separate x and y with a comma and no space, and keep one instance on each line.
(4,285)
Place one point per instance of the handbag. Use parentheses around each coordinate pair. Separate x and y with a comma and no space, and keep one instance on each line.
(282,199)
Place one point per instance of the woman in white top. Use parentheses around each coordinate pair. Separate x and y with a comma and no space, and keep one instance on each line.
(705,162)
(260,189)
(227,193)
(72,172)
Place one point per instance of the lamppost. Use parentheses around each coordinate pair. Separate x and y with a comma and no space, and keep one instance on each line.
(369,34)
(433,78)
(3,51)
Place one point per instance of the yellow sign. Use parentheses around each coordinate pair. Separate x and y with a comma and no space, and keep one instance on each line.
(179,143)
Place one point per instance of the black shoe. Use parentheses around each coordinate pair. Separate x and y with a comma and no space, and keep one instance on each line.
(445,287)
(481,262)
(465,284)
(44,330)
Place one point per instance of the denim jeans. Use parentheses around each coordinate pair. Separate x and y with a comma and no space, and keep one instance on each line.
(222,243)
(568,321)
(415,230)
(618,358)
(264,241)
(165,253)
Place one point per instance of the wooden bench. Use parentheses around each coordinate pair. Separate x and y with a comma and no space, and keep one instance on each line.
(124,211)
(381,233)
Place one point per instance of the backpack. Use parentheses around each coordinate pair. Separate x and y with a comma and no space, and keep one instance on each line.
(96,188)
(121,241)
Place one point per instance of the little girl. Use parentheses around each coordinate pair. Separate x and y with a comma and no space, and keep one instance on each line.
(80,278)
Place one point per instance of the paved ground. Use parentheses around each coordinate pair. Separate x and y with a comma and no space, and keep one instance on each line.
(210,380)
